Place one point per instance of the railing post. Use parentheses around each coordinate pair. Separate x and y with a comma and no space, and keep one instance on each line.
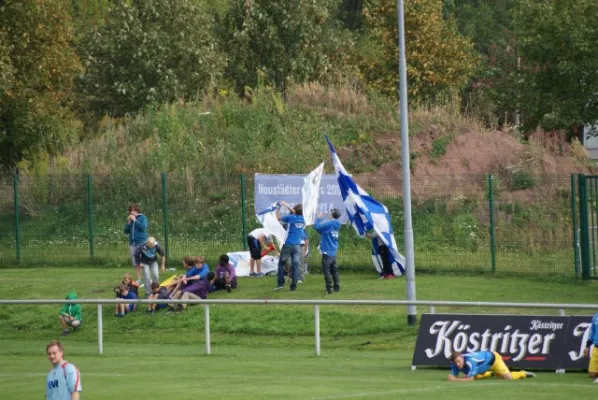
(574,226)
(317,327)
(432,310)
(165,212)
(100,330)
(562,312)
(492,228)
(206,313)
(15,185)
(90,213)
(243,222)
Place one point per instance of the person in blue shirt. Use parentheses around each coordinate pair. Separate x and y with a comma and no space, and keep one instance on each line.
(480,365)
(593,341)
(292,243)
(63,381)
(123,308)
(328,230)
(136,228)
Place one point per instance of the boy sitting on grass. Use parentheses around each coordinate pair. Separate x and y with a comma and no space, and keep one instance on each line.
(160,293)
(196,291)
(70,315)
(191,274)
(226,278)
(123,308)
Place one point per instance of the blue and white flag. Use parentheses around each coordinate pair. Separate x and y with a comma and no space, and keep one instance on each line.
(269,221)
(368,216)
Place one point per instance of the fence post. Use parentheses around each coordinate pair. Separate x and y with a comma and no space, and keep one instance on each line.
(317,327)
(15,185)
(492,227)
(574,226)
(100,330)
(206,313)
(165,212)
(243,226)
(583,226)
(90,213)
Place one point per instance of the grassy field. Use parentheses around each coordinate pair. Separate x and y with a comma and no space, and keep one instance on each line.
(264,352)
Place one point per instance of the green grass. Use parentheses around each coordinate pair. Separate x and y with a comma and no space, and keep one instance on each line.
(267,350)
(143,371)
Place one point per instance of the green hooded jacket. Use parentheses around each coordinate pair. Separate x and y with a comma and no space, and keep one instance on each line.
(74,310)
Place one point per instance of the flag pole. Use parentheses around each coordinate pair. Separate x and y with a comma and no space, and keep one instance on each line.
(405,157)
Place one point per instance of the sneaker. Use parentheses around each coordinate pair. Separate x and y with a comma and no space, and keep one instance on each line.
(170,310)
(65,332)
(529,374)
(293,288)
(228,288)
(300,281)
(327,292)
(277,288)
(260,274)
(153,312)
(381,276)
(337,289)
(252,274)
(596,380)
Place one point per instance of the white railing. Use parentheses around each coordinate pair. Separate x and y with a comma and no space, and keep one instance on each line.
(316,303)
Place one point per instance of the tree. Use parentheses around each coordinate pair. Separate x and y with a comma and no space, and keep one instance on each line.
(286,41)
(149,52)
(439,59)
(559,77)
(37,71)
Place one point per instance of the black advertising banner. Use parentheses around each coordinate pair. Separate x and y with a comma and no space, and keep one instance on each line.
(577,336)
(524,341)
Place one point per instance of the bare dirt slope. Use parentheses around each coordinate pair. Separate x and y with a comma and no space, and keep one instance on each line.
(460,165)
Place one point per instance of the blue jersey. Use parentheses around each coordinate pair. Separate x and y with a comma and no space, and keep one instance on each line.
(295,231)
(593,336)
(474,363)
(328,230)
(62,381)
(193,271)
(130,296)
(203,271)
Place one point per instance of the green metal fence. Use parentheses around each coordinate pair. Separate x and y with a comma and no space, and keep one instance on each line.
(502,223)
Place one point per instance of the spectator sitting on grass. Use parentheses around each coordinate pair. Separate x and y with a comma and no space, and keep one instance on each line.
(226,278)
(123,308)
(159,293)
(70,315)
(131,284)
(181,281)
(196,291)
(202,268)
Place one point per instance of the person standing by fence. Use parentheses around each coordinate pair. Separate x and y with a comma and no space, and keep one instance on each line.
(292,244)
(328,230)
(591,349)
(136,228)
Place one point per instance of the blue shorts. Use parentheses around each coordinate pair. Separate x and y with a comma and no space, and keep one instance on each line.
(161,306)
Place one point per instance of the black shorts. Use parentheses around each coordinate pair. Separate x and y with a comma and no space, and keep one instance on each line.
(255,248)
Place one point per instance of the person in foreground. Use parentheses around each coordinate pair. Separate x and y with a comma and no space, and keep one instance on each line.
(63,381)
(593,351)
(480,365)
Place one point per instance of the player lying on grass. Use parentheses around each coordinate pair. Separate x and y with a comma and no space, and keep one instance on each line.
(480,365)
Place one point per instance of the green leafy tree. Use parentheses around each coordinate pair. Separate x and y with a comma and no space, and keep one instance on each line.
(37,71)
(439,59)
(286,41)
(149,52)
(557,43)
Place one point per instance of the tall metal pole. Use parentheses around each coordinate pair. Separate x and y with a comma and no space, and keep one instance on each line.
(408,229)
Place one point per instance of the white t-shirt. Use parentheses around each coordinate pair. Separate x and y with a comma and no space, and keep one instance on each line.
(256,233)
